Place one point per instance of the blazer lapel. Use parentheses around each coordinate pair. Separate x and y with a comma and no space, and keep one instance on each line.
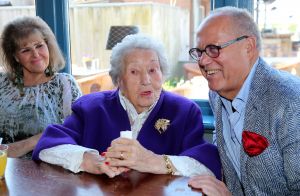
(254,109)
(231,177)
(258,88)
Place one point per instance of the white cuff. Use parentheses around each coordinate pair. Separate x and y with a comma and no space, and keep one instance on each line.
(66,155)
(187,166)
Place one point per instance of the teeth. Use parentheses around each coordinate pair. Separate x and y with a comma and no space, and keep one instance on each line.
(209,72)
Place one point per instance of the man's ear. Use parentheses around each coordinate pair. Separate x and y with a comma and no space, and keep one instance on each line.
(251,44)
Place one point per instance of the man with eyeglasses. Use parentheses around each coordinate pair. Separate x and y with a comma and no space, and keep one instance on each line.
(256,108)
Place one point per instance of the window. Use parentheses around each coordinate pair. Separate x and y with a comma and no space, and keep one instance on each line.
(90,23)
(12,9)
(279,24)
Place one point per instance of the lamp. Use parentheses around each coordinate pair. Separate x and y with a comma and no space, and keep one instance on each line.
(117,33)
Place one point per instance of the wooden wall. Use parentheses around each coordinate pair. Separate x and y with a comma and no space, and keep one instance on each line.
(90,24)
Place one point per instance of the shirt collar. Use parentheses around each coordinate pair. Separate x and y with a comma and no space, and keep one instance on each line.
(130,109)
(240,100)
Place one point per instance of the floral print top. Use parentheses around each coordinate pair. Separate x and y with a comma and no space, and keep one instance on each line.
(48,103)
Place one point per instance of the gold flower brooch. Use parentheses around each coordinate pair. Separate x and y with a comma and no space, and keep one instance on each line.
(161,125)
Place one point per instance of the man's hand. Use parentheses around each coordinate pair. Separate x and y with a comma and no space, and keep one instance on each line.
(209,185)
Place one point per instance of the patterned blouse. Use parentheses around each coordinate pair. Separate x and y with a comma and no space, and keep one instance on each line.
(48,103)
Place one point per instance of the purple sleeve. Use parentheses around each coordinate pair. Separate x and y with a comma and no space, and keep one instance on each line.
(68,133)
(196,147)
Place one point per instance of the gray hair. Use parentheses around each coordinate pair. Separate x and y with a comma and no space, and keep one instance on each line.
(242,22)
(21,28)
(135,41)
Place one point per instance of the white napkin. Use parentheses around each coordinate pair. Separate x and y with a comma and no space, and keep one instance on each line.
(126,134)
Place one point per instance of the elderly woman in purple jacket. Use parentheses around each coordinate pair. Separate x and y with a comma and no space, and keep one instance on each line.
(167,129)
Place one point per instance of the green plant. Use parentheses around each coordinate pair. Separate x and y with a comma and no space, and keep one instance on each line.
(172,83)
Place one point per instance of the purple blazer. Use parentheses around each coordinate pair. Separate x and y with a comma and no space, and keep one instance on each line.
(98,118)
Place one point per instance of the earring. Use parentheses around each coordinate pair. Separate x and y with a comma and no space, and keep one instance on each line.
(19,82)
(48,71)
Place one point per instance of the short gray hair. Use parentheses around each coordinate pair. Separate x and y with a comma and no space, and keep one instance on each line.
(242,21)
(135,41)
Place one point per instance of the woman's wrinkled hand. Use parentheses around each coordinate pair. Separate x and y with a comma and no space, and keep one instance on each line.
(22,147)
(96,164)
(209,185)
(131,154)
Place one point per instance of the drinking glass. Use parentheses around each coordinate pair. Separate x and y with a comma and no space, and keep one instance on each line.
(3,159)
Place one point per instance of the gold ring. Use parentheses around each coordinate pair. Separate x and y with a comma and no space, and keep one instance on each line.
(122,156)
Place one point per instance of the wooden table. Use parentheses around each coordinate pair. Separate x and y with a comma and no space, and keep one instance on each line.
(26,177)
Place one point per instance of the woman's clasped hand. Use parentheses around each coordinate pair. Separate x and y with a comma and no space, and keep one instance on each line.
(130,154)
(123,155)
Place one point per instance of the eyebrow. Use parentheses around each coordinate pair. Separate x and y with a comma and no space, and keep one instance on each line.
(25,47)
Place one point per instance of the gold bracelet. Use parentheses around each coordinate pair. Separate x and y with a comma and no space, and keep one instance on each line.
(168,165)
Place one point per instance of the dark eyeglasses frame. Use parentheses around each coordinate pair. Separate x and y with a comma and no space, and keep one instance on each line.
(199,51)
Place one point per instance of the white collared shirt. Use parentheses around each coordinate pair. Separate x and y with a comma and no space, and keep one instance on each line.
(136,120)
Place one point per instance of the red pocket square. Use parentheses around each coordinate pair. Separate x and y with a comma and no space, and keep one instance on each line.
(253,143)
